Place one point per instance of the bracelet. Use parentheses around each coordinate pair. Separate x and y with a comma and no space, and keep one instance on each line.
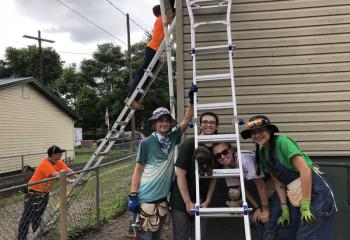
(133,194)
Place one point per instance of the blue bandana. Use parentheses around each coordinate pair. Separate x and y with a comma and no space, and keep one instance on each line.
(164,142)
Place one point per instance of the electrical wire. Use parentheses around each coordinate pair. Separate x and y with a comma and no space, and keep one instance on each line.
(118,9)
(92,22)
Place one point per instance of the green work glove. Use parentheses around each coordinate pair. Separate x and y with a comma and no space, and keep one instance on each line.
(306,214)
(284,219)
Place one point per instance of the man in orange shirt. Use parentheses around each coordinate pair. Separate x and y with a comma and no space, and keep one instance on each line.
(151,49)
(37,196)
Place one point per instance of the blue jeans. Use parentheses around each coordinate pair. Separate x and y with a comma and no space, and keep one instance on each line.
(184,225)
(271,230)
(149,54)
(34,208)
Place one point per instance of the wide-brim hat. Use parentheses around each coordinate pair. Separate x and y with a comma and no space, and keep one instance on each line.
(257,122)
(162,112)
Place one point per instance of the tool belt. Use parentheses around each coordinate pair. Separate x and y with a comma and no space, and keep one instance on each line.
(150,215)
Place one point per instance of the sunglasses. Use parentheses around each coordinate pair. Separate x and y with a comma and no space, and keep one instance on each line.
(221,154)
(256,122)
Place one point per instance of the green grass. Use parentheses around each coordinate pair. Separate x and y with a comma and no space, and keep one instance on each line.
(114,189)
(84,156)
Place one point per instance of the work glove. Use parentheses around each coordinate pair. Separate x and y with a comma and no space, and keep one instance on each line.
(134,202)
(284,219)
(193,89)
(306,214)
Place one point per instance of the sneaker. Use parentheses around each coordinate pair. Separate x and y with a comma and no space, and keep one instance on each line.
(136,105)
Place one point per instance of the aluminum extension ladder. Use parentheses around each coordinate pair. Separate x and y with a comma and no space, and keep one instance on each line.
(196,7)
(117,129)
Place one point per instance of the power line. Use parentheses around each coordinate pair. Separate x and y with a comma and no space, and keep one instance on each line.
(90,21)
(118,9)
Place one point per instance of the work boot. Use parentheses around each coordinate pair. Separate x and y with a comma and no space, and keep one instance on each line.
(137,105)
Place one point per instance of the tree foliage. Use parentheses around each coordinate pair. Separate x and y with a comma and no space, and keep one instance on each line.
(100,82)
(24,62)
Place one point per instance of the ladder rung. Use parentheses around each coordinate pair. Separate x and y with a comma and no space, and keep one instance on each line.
(102,154)
(222,212)
(111,139)
(209,22)
(122,123)
(196,2)
(150,74)
(217,138)
(213,106)
(222,173)
(211,49)
(141,91)
(213,77)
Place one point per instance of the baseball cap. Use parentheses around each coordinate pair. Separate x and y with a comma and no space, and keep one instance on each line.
(54,149)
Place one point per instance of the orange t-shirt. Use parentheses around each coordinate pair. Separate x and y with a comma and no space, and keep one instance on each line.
(45,170)
(157,34)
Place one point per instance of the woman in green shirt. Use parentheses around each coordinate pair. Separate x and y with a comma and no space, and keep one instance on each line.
(281,157)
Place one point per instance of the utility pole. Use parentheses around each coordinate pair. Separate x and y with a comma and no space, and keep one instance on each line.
(40,52)
(130,79)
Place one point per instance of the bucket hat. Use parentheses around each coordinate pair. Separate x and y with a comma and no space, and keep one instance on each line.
(161,112)
(257,122)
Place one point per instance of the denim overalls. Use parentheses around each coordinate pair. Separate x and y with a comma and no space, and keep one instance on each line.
(322,203)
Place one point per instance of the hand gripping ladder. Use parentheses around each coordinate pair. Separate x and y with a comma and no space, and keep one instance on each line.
(194,7)
(115,132)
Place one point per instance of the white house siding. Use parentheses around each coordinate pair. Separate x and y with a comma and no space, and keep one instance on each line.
(292,63)
(30,125)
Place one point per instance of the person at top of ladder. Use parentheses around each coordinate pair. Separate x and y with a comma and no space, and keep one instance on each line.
(307,191)
(154,171)
(267,215)
(183,194)
(150,51)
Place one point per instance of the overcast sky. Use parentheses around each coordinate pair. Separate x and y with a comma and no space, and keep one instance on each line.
(71,32)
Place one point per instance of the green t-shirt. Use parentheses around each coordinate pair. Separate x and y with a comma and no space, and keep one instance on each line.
(286,148)
(158,169)
(185,161)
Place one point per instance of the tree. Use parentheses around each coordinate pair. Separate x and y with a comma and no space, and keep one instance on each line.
(24,62)
(69,85)
(106,73)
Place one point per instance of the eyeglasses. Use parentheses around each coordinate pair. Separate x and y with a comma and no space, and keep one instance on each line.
(221,154)
(208,123)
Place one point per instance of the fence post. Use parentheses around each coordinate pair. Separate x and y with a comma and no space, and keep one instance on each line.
(22,162)
(97,196)
(63,208)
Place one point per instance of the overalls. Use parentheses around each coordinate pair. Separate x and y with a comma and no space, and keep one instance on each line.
(322,203)
(271,230)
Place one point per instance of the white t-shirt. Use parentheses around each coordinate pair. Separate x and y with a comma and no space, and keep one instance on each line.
(249,169)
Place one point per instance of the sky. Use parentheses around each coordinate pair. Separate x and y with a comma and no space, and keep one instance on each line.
(75,38)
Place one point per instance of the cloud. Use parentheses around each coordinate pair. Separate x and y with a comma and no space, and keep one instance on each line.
(60,19)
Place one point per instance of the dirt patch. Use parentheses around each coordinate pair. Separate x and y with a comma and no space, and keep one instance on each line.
(117,229)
